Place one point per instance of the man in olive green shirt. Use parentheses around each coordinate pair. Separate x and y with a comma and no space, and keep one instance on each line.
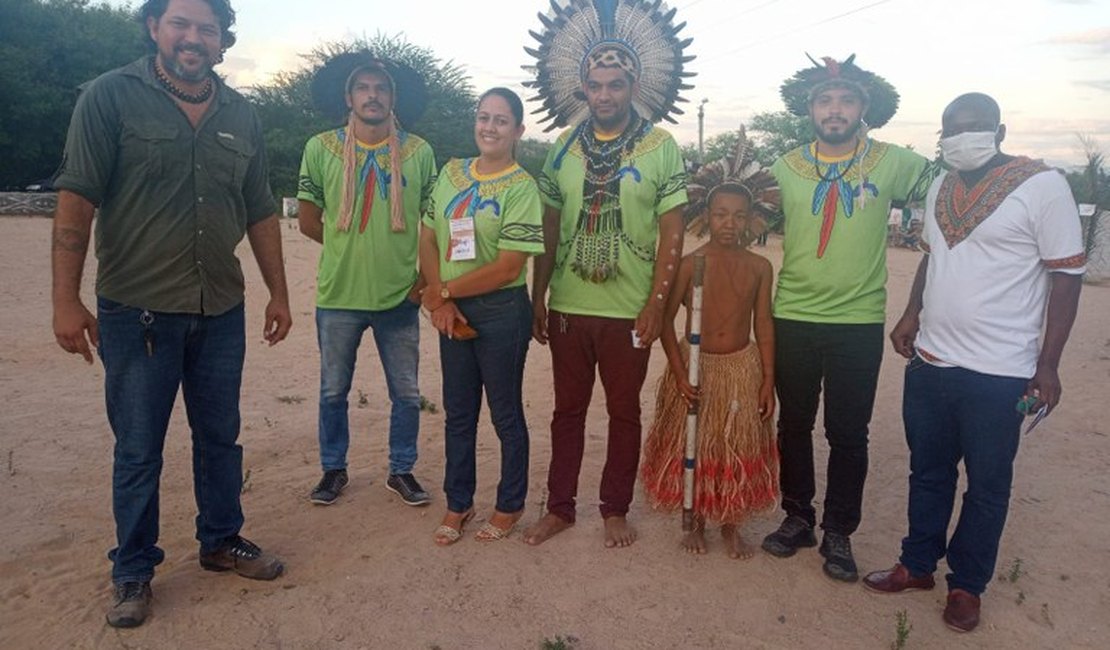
(173,159)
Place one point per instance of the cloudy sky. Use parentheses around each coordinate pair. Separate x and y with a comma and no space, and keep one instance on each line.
(1047,62)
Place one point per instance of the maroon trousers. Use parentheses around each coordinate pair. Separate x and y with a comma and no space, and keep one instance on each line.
(578,345)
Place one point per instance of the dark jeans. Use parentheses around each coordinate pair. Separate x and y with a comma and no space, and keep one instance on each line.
(493,361)
(952,414)
(579,344)
(203,355)
(845,360)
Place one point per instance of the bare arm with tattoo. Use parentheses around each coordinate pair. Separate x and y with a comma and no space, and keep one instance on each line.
(75,327)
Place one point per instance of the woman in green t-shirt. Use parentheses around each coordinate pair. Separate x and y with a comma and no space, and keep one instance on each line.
(483,222)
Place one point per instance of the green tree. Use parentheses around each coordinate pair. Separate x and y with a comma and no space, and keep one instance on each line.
(776,133)
(531,154)
(288,118)
(771,134)
(47,49)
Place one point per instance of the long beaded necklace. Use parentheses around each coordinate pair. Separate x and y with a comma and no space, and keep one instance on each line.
(832,189)
(188,98)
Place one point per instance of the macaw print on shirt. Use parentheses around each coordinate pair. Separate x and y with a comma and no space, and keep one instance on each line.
(374,176)
(841,184)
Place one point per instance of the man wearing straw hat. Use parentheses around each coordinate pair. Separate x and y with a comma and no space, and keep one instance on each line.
(361,191)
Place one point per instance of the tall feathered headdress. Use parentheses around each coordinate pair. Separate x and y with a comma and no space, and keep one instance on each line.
(740,168)
(882,99)
(637,35)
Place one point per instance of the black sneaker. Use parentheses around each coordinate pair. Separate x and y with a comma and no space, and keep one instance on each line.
(240,555)
(409,489)
(132,604)
(839,563)
(794,533)
(327,490)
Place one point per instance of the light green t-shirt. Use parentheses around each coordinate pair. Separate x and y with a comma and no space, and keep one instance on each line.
(652,182)
(842,280)
(369,266)
(505,207)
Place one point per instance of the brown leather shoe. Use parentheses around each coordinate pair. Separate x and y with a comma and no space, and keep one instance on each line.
(897,579)
(962,611)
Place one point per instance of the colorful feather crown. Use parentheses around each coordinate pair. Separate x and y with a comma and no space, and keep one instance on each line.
(574,29)
(797,91)
(739,168)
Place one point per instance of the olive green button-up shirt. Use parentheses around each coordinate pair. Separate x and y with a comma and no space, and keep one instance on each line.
(174,201)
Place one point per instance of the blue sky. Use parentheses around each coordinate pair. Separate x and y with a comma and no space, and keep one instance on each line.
(1047,62)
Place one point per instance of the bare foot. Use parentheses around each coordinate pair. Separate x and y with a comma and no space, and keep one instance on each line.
(618,533)
(738,548)
(547,527)
(694,541)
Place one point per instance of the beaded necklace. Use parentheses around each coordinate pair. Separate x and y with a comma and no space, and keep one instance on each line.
(832,167)
(600,228)
(189,98)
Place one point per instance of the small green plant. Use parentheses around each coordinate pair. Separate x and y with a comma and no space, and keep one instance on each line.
(290,399)
(559,643)
(363,400)
(428,406)
(1015,572)
(902,629)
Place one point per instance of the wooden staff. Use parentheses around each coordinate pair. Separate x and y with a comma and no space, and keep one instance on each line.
(694,338)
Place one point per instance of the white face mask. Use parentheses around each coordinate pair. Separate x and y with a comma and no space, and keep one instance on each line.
(969,150)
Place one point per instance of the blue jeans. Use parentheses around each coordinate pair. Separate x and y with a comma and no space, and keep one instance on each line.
(397,335)
(203,355)
(494,361)
(952,414)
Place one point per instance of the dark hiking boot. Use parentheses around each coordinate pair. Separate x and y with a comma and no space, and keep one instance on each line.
(132,604)
(794,533)
(839,563)
(241,556)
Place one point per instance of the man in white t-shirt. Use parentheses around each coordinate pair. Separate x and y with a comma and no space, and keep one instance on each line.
(1002,240)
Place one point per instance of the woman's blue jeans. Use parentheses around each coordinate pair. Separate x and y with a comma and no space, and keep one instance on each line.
(494,361)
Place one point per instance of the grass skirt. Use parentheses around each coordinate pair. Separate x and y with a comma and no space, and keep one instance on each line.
(736,473)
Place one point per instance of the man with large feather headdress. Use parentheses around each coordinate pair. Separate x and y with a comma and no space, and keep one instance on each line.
(613,187)
(830,303)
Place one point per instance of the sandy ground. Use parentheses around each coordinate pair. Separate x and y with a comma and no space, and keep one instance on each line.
(364,573)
